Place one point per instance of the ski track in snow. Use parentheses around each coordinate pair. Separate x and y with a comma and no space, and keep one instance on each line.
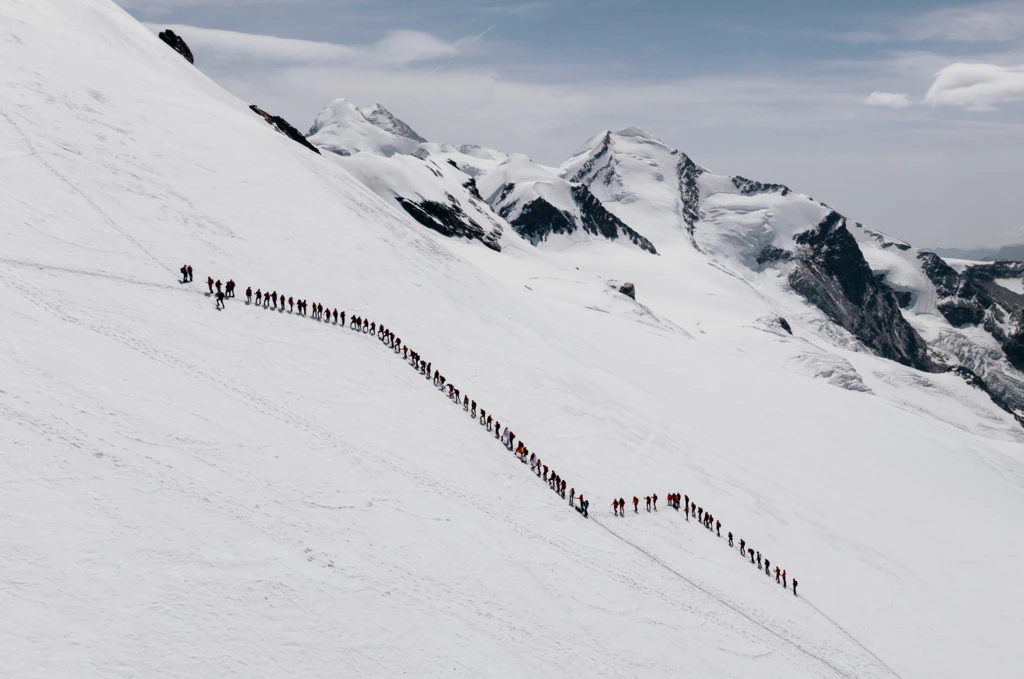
(84,196)
(194,493)
(289,418)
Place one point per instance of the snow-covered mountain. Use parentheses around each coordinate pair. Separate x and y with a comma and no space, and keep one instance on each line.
(199,492)
(441,186)
(345,129)
(538,204)
(883,292)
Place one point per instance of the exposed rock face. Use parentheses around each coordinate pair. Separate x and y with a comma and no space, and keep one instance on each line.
(689,172)
(628,289)
(978,383)
(177,43)
(831,272)
(285,128)
(974,298)
(785,325)
(450,220)
(749,187)
(539,218)
(385,120)
(598,220)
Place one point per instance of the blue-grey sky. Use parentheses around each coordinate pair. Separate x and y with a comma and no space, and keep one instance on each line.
(905,115)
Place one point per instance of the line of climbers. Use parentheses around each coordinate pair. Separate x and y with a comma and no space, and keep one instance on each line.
(274,301)
(708,520)
(508,438)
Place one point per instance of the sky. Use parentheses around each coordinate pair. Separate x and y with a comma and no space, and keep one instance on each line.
(906,116)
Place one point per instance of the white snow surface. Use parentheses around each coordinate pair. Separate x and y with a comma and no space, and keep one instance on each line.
(1012,284)
(342,127)
(531,182)
(199,493)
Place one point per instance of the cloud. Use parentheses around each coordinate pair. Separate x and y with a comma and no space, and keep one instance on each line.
(397,48)
(406,47)
(976,87)
(888,99)
(988,22)
(863,37)
(247,46)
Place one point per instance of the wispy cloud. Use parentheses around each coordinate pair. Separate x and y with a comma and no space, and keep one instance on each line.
(397,48)
(988,22)
(888,99)
(976,87)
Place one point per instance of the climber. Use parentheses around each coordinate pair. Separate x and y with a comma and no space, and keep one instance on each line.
(636,505)
(209,282)
(220,300)
(248,295)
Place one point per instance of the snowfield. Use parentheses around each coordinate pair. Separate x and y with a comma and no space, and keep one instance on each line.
(190,492)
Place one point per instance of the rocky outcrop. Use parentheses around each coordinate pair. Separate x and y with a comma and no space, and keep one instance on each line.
(628,289)
(284,127)
(689,172)
(974,298)
(385,120)
(960,301)
(538,219)
(978,383)
(830,272)
(177,43)
(598,220)
(450,220)
(749,187)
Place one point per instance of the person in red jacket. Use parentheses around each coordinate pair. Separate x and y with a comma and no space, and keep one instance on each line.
(648,498)
(615,507)
(636,505)
(248,295)
(209,282)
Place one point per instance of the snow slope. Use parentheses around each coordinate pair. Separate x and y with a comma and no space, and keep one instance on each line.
(344,129)
(192,492)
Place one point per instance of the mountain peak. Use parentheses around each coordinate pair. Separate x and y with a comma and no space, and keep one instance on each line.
(343,128)
(636,132)
(386,120)
(339,112)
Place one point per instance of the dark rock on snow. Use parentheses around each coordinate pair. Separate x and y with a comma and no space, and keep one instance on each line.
(538,219)
(977,382)
(285,128)
(628,289)
(177,43)
(974,298)
(598,220)
(449,220)
(832,274)
(749,187)
(785,325)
